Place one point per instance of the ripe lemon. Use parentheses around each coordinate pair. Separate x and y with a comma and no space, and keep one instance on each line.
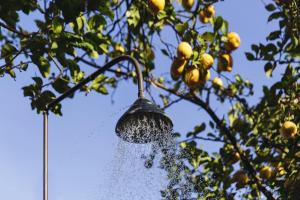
(240,178)
(203,18)
(205,75)
(234,41)
(184,50)
(156,5)
(206,60)
(225,63)
(192,76)
(266,172)
(177,68)
(288,129)
(229,154)
(236,157)
(209,11)
(217,83)
(187,4)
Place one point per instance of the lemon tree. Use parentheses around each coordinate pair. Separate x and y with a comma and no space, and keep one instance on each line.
(259,155)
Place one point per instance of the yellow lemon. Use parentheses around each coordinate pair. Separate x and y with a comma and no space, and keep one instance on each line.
(206,60)
(209,11)
(157,5)
(187,4)
(288,129)
(184,50)
(233,42)
(225,63)
(217,83)
(203,18)
(177,68)
(241,178)
(205,74)
(191,77)
(266,172)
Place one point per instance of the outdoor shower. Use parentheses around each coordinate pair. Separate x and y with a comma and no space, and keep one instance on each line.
(143,122)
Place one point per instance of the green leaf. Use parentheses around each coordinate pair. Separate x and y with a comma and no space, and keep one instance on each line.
(282,23)
(195,57)
(208,36)
(70,9)
(79,23)
(294,43)
(197,130)
(98,84)
(28,91)
(274,35)
(270,7)
(84,45)
(8,50)
(57,25)
(100,79)
(270,48)
(224,27)
(43,100)
(255,48)
(196,161)
(250,56)
(23,66)
(181,28)
(61,84)
(11,72)
(43,65)
(165,52)
(96,22)
(101,89)
(183,145)
(218,23)
(104,47)
(105,9)
(238,78)
(275,15)
(133,16)
(161,15)
(94,54)
(54,45)
(74,70)
(38,81)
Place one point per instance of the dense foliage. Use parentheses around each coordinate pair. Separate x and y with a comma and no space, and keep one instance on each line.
(260,144)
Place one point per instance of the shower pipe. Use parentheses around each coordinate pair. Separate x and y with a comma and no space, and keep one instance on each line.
(69,93)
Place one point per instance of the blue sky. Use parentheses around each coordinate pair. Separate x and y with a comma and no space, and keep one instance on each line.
(82,143)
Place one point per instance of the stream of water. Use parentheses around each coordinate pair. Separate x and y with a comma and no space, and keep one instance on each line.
(131,177)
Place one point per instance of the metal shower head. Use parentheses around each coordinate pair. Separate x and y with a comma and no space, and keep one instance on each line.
(143,122)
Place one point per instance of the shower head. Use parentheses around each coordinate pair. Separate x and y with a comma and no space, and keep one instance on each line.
(144,122)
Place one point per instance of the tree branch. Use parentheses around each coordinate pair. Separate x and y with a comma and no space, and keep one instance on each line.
(14,30)
(247,164)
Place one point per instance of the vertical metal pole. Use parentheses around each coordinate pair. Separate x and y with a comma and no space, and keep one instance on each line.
(45,156)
